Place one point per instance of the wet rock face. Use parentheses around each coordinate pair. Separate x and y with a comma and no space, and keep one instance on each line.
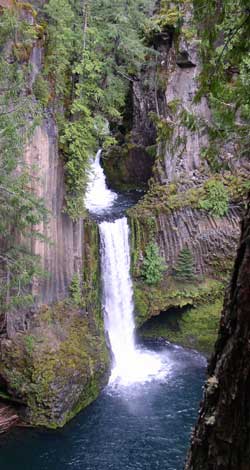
(181,153)
(221,437)
(130,164)
(186,144)
(62,256)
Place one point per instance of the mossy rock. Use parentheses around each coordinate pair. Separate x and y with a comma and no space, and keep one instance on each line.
(58,367)
(150,301)
(129,166)
(195,328)
(166,198)
(183,313)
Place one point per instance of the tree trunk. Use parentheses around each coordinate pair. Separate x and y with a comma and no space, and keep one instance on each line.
(221,439)
(85,12)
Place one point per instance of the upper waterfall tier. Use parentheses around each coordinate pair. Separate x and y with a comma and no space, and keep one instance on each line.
(98,196)
(101,202)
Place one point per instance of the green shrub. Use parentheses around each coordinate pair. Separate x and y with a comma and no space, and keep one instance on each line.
(153,265)
(163,127)
(41,90)
(189,120)
(184,269)
(29,343)
(215,199)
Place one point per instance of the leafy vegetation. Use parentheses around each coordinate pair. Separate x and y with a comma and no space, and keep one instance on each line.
(75,290)
(94,51)
(213,196)
(216,199)
(168,16)
(153,265)
(41,90)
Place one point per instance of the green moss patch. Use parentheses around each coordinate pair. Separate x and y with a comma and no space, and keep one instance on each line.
(163,199)
(195,328)
(151,300)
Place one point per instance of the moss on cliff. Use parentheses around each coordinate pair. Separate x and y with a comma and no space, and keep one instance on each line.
(163,199)
(92,271)
(58,367)
(195,327)
(151,300)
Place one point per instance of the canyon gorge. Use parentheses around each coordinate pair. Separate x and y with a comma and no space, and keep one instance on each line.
(141,184)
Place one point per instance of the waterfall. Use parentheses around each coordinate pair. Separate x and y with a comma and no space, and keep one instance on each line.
(98,197)
(130,364)
(117,290)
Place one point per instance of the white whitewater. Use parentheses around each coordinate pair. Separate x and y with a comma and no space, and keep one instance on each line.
(98,196)
(130,364)
(117,288)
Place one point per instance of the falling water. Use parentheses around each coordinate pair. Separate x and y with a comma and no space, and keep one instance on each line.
(98,196)
(117,288)
(131,364)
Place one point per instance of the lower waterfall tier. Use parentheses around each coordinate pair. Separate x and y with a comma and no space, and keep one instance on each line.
(130,364)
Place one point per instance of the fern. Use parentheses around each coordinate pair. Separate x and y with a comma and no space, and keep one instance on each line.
(216,199)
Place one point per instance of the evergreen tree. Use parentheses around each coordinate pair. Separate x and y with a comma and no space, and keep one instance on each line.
(183,270)
(153,265)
